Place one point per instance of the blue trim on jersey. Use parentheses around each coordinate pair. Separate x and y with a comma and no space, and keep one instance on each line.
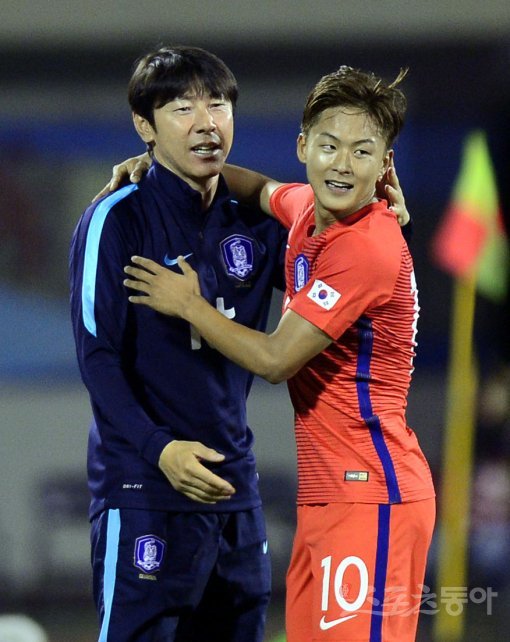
(381,570)
(366,341)
(88,290)
(110,567)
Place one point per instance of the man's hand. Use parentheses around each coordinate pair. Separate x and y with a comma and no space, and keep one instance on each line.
(163,290)
(181,463)
(134,168)
(389,188)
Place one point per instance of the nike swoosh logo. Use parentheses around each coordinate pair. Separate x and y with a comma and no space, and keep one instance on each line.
(328,625)
(171,262)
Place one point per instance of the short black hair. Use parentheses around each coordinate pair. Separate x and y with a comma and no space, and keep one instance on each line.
(171,72)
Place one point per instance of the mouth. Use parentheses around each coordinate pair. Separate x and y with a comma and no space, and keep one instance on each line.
(339,187)
(207,150)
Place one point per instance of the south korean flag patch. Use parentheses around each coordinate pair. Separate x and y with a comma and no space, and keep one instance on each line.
(323,294)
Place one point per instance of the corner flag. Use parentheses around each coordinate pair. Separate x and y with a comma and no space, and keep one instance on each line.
(470,244)
(471,239)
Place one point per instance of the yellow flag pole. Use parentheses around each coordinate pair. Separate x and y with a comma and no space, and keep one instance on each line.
(457,465)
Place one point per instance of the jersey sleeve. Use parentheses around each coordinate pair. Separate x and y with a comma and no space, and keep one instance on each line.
(353,274)
(289,201)
(100,312)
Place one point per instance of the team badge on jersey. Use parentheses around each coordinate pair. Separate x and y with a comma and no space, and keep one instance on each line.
(323,295)
(149,552)
(301,272)
(237,252)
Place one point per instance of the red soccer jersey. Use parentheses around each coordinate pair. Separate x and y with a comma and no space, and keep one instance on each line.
(354,281)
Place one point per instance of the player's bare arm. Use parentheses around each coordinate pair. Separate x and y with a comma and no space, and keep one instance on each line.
(181,462)
(250,187)
(275,357)
(255,188)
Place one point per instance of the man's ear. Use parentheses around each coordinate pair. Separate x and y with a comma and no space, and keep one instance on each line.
(144,128)
(301,147)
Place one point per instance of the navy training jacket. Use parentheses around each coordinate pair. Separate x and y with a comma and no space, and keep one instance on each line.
(150,378)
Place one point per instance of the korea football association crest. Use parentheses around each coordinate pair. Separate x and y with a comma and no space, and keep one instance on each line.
(237,252)
(149,552)
(301,272)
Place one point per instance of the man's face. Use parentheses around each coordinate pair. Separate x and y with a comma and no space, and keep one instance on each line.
(345,156)
(192,137)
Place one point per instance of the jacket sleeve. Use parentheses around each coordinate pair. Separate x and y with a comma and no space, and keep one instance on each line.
(103,324)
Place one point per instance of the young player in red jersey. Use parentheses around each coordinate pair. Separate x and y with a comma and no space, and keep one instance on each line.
(345,344)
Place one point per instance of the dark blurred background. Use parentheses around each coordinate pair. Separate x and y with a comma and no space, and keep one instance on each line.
(64,121)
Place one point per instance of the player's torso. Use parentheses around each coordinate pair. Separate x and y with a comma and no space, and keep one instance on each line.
(352,438)
(182,384)
(235,255)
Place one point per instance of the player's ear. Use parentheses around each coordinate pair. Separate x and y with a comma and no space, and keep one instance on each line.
(301,147)
(144,128)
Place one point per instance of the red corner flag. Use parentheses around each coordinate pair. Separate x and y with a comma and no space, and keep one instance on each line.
(471,238)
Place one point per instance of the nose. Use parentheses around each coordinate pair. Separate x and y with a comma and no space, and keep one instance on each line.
(204,120)
(342,161)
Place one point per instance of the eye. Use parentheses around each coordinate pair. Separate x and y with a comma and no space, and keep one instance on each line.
(327,147)
(362,152)
(182,110)
(218,104)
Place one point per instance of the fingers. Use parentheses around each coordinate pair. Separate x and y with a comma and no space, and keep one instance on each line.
(152,266)
(189,272)
(147,264)
(393,178)
(103,192)
(202,485)
(204,497)
(118,173)
(140,280)
(184,266)
(138,172)
(134,167)
(181,463)
(140,299)
(140,286)
(392,194)
(138,273)
(207,454)
(395,198)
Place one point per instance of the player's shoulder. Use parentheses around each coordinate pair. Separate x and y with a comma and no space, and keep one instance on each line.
(379,228)
(121,197)
(288,199)
(121,203)
(373,241)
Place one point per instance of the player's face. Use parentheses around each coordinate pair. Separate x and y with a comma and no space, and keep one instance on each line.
(345,156)
(192,137)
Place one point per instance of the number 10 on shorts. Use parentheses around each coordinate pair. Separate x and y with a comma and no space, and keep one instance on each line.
(339,586)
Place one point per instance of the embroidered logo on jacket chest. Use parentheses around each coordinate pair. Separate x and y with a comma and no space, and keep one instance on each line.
(237,253)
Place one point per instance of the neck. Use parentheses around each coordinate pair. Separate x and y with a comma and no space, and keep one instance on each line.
(207,191)
(325,218)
